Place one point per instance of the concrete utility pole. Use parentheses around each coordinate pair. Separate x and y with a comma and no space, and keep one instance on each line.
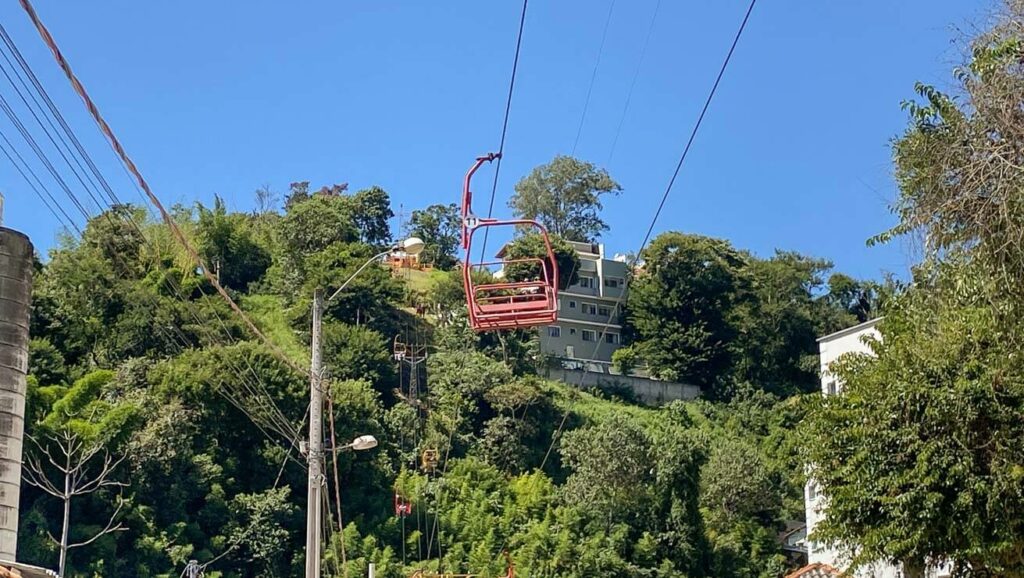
(315,451)
(15,306)
(316,443)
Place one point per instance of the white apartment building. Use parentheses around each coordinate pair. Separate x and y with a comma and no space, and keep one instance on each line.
(830,348)
(585,307)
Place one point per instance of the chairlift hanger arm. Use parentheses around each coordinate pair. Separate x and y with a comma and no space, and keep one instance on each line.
(467,193)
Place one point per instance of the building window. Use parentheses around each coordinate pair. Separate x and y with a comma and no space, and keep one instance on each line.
(572,305)
(812,491)
(588,309)
(613,282)
(612,338)
(589,335)
(572,331)
(554,331)
(587,282)
(604,312)
(831,388)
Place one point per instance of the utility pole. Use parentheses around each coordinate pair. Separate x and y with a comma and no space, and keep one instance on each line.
(315,456)
(315,450)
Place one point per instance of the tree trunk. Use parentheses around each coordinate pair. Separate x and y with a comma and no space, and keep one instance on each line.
(66,526)
(914,569)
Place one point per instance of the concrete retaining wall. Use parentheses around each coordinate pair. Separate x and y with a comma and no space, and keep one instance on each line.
(649,391)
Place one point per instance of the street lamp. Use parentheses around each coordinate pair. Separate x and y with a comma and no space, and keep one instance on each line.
(315,456)
(361,443)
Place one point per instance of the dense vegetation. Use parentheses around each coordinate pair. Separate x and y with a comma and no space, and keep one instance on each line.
(137,359)
(180,428)
(923,454)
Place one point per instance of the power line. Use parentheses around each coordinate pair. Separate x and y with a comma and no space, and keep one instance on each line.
(97,175)
(654,220)
(50,136)
(275,419)
(632,84)
(593,77)
(696,126)
(119,149)
(67,222)
(504,124)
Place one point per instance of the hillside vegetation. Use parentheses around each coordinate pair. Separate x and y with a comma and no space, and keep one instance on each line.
(136,357)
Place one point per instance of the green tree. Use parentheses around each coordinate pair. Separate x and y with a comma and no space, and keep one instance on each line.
(778,325)
(679,307)
(227,245)
(610,465)
(531,246)
(315,224)
(915,455)
(440,227)
(565,196)
(957,164)
(371,211)
(736,485)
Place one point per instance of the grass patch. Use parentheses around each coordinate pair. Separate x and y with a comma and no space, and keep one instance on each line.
(268,313)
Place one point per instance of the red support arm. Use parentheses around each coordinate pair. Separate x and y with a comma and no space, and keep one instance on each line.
(467,194)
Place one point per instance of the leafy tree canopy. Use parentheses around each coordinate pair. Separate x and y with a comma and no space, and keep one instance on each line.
(565,196)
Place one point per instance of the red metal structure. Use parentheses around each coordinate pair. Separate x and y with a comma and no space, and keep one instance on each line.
(505,304)
(402,507)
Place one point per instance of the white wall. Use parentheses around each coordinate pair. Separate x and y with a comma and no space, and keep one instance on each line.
(830,348)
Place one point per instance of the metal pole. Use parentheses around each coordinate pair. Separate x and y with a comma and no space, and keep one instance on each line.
(373,570)
(315,457)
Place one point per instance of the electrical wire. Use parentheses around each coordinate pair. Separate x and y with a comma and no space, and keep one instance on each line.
(277,420)
(270,411)
(67,221)
(504,124)
(593,77)
(116,144)
(337,479)
(27,69)
(654,219)
(632,83)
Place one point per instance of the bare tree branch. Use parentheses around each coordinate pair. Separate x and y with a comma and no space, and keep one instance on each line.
(72,458)
(109,529)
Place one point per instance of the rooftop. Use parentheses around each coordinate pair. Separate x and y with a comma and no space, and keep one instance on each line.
(17,570)
(850,330)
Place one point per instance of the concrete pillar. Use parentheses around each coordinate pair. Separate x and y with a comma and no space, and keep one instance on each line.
(15,299)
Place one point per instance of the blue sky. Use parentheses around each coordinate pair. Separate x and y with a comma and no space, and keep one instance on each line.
(225,97)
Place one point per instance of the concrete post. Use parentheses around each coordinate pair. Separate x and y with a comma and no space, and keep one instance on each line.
(15,299)
(315,458)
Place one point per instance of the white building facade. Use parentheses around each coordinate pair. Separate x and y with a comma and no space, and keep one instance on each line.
(588,326)
(830,348)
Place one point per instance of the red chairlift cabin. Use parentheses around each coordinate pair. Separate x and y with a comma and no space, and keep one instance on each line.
(506,304)
(403,507)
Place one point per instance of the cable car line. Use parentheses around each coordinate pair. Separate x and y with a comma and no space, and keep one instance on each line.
(696,126)
(504,124)
(632,84)
(657,214)
(593,77)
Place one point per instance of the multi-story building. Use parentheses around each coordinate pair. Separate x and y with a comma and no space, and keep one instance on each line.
(586,307)
(832,347)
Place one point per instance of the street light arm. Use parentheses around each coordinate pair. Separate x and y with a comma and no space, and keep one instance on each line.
(356,274)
